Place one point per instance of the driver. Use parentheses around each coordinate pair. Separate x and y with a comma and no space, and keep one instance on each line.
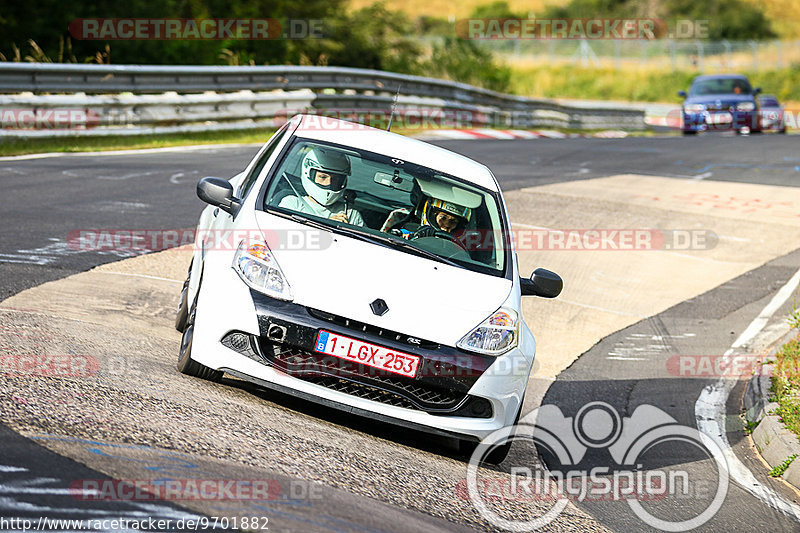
(442,216)
(324,177)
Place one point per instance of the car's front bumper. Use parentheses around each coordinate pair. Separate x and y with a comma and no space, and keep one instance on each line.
(721,120)
(453,393)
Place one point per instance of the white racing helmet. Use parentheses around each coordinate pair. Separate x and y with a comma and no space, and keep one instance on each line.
(331,162)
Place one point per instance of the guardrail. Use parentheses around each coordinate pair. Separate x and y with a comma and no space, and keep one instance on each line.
(134,99)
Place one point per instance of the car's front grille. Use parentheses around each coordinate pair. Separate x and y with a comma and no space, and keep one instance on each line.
(374,330)
(307,365)
(358,380)
(720,107)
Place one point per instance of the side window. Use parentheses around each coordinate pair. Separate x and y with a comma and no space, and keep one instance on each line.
(247,184)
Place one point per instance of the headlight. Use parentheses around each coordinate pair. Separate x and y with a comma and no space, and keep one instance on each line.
(745,106)
(257,267)
(694,108)
(495,335)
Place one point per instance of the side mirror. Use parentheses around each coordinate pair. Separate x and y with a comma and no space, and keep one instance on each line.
(682,94)
(218,192)
(542,283)
(757,90)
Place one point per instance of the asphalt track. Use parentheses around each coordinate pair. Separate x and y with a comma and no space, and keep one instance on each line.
(46,198)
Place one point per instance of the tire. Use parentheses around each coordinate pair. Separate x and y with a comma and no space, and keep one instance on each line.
(187,365)
(686,132)
(183,306)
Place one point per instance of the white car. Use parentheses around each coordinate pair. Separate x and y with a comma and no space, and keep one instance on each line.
(366,271)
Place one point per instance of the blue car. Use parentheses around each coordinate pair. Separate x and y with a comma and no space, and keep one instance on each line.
(721,102)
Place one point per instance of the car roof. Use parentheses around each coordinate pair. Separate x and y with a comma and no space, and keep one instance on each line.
(347,133)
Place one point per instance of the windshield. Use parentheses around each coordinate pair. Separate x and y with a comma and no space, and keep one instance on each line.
(390,202)
(720,86)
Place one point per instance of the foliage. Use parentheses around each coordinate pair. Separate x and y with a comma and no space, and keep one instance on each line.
(462,60)
(728,19)
(781,468)
(785,386)
(499,9)
(642,85)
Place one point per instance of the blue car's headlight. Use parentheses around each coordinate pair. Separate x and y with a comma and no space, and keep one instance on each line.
(745,106)
(694,108)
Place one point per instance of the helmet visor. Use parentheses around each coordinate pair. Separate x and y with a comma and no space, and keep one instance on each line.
(333,181)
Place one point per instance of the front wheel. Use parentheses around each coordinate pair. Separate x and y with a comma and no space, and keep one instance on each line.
(183,306)
(187,365)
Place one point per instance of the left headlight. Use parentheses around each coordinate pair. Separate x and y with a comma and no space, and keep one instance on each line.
(745,106)
(494,336)
(258,268)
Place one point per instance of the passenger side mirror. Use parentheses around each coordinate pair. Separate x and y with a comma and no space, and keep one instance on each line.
(682,94)
(218,192)
(542,283)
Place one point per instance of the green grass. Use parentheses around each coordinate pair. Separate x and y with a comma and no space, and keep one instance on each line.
(786,384)
(637,85)
(125,142)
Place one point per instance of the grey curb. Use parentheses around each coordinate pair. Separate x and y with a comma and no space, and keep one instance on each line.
(771,438)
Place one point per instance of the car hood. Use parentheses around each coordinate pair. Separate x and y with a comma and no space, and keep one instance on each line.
(342,275)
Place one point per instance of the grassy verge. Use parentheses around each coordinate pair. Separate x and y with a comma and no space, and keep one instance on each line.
(635,85)
(786,384)
(126,142)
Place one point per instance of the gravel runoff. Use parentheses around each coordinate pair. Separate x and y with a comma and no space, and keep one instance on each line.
(136,396)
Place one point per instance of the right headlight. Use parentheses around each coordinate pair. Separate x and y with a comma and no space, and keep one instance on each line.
(694,108)
(745,106)
(258,268)
(494,336)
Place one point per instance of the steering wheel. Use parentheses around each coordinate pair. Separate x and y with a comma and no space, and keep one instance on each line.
(450,237)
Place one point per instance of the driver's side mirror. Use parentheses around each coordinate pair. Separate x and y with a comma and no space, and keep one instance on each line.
(542,283)
(218,192)
(682,94)
(757,90)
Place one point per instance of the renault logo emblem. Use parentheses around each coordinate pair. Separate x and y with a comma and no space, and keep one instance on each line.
(379,307)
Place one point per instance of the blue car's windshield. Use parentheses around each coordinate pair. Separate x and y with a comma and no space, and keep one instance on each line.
(720,86)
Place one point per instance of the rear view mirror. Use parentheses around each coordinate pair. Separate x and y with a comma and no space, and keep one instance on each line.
(542,283)
(394,181)
(682,94)
(218,192)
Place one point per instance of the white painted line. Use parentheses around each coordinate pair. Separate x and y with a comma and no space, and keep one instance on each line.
(4,468)
(627,358)
(710,409)
(132,274)
(702,176)
(126,152)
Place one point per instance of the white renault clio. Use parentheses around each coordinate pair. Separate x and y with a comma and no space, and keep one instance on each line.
(366,271)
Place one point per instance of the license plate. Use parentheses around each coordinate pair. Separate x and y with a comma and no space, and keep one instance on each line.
(720,118)
(367,354)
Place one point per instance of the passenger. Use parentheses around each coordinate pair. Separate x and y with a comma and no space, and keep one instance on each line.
(324,177)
